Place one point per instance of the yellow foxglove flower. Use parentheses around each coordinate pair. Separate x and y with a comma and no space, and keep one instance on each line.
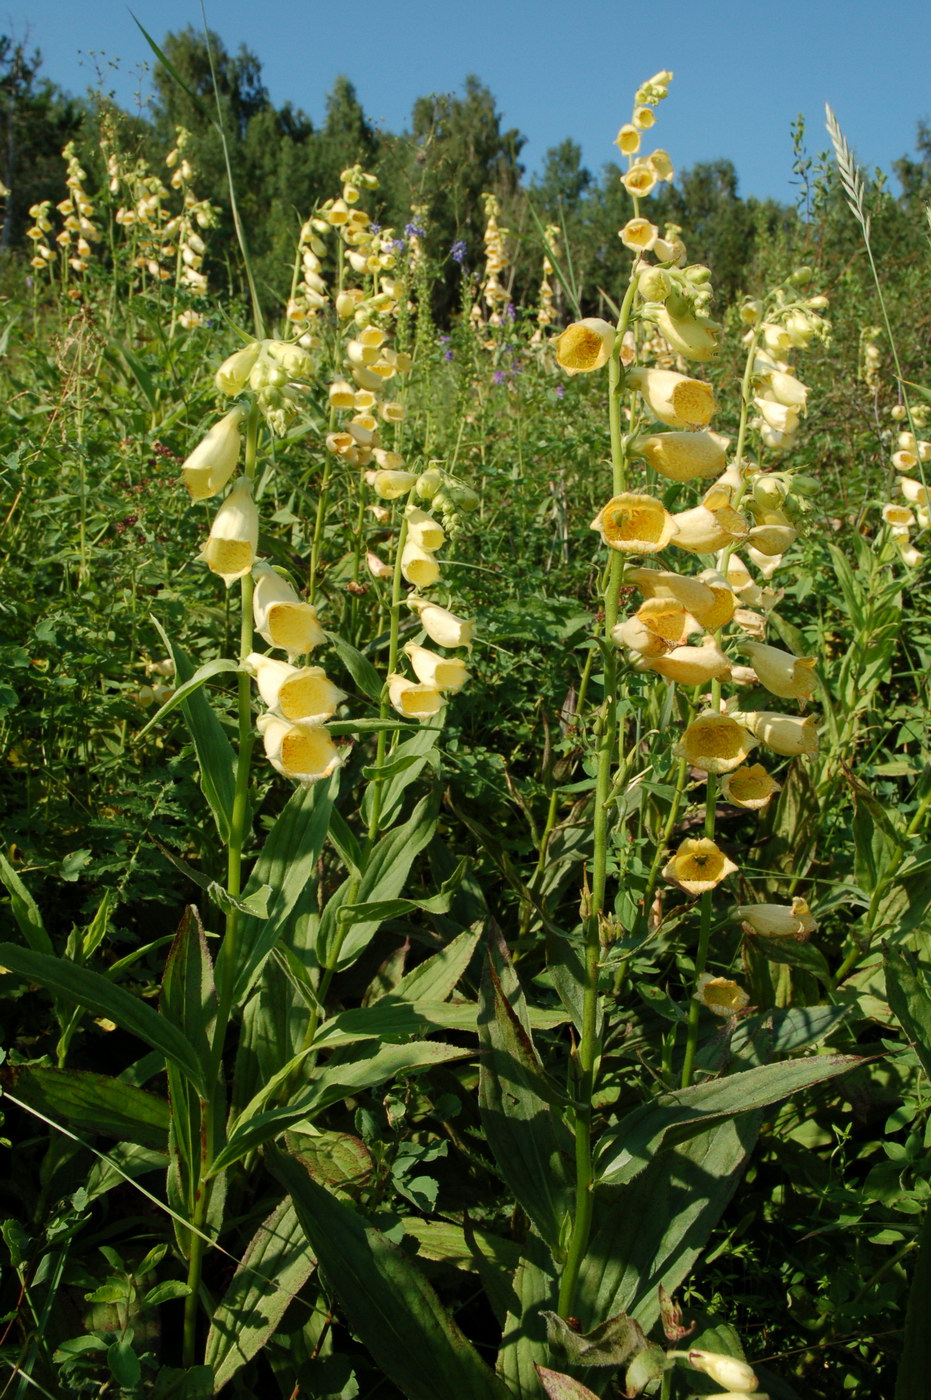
(749,786)
(414,700)
(419,566)
(715,743)
(725,998)
(209,467)
(585,345)
(788,735)
(667,618)
(790,677)
(724,601)
(784,388)
(778,920)
(441,625)
(233,375)
(729,1371)
(644,117)
(899,516)
(698,865)
(302,751)
(914,492)
(682,456)
(632,633)
(702,531)
(628,140)
(639,180)
(388,461)
(692,337)
(752,624)
(660,162)
(341,394)
(660,583)
(282,618)
(675,399)
(635,523)
(777,416)
(295,692)
(910,555)
(692,665)
(639,235)
(423,529)
(441,672)
(234,535)
(741,580)
(771,539)
(390,485)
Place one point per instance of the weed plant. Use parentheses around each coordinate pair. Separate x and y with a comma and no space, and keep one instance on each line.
(466,792)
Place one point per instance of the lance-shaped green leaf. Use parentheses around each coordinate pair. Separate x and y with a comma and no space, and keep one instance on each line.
(286,865)
(220,666)
(359,667)
(533,1291)
(530,1142)
(101,996)
(382,879)
(257,1125)
(394,780)
(393,908)
(910,1000)
(276,1265)
(436,977)
(214,751)
(561,1387)
(94,1102)
(652,1230)
(388,1303)
(625,1151)
(25,910)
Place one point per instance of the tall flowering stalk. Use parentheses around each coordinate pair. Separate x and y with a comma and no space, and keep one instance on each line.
(689,624)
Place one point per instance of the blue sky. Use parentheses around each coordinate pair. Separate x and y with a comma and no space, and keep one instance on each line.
(744,69)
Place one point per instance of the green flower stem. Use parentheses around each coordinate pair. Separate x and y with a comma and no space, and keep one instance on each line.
(704,938)
(606,733)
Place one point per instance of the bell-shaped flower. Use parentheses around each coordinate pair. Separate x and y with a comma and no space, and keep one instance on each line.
(724,601)
(282,618)
(441,672)
(660,162)
(628,140)
(667,618)
(390,485)
(441,625)
(715,743)
(773,536)
(898,516)
(234,535)
(639,180)
(682,456)
(661,583)
(637,524)
(784,388)
(585,345)
(750,623)
(915,492)
(749,786)
(295,692)
(728,1371)
(377,566)
(414,700)
(630,632)
(741,580)
(675,399)
(419,566)
(790,677)
(209,467)
(765,564)
(233,375)
(787,735)
(698,865)
(424,529)
(778,920)
(302,751)
(692,665)
(703,531)
(723,997)
(909,554)
(638,235)
(693,337)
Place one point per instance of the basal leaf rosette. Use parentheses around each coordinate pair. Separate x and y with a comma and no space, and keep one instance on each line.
(635,524)
(698,865)
(715,743)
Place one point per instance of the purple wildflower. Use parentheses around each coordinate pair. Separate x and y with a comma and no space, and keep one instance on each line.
(413,231)
(500,376)
(458,251)
(510,311)
(447,354)
(560,390)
